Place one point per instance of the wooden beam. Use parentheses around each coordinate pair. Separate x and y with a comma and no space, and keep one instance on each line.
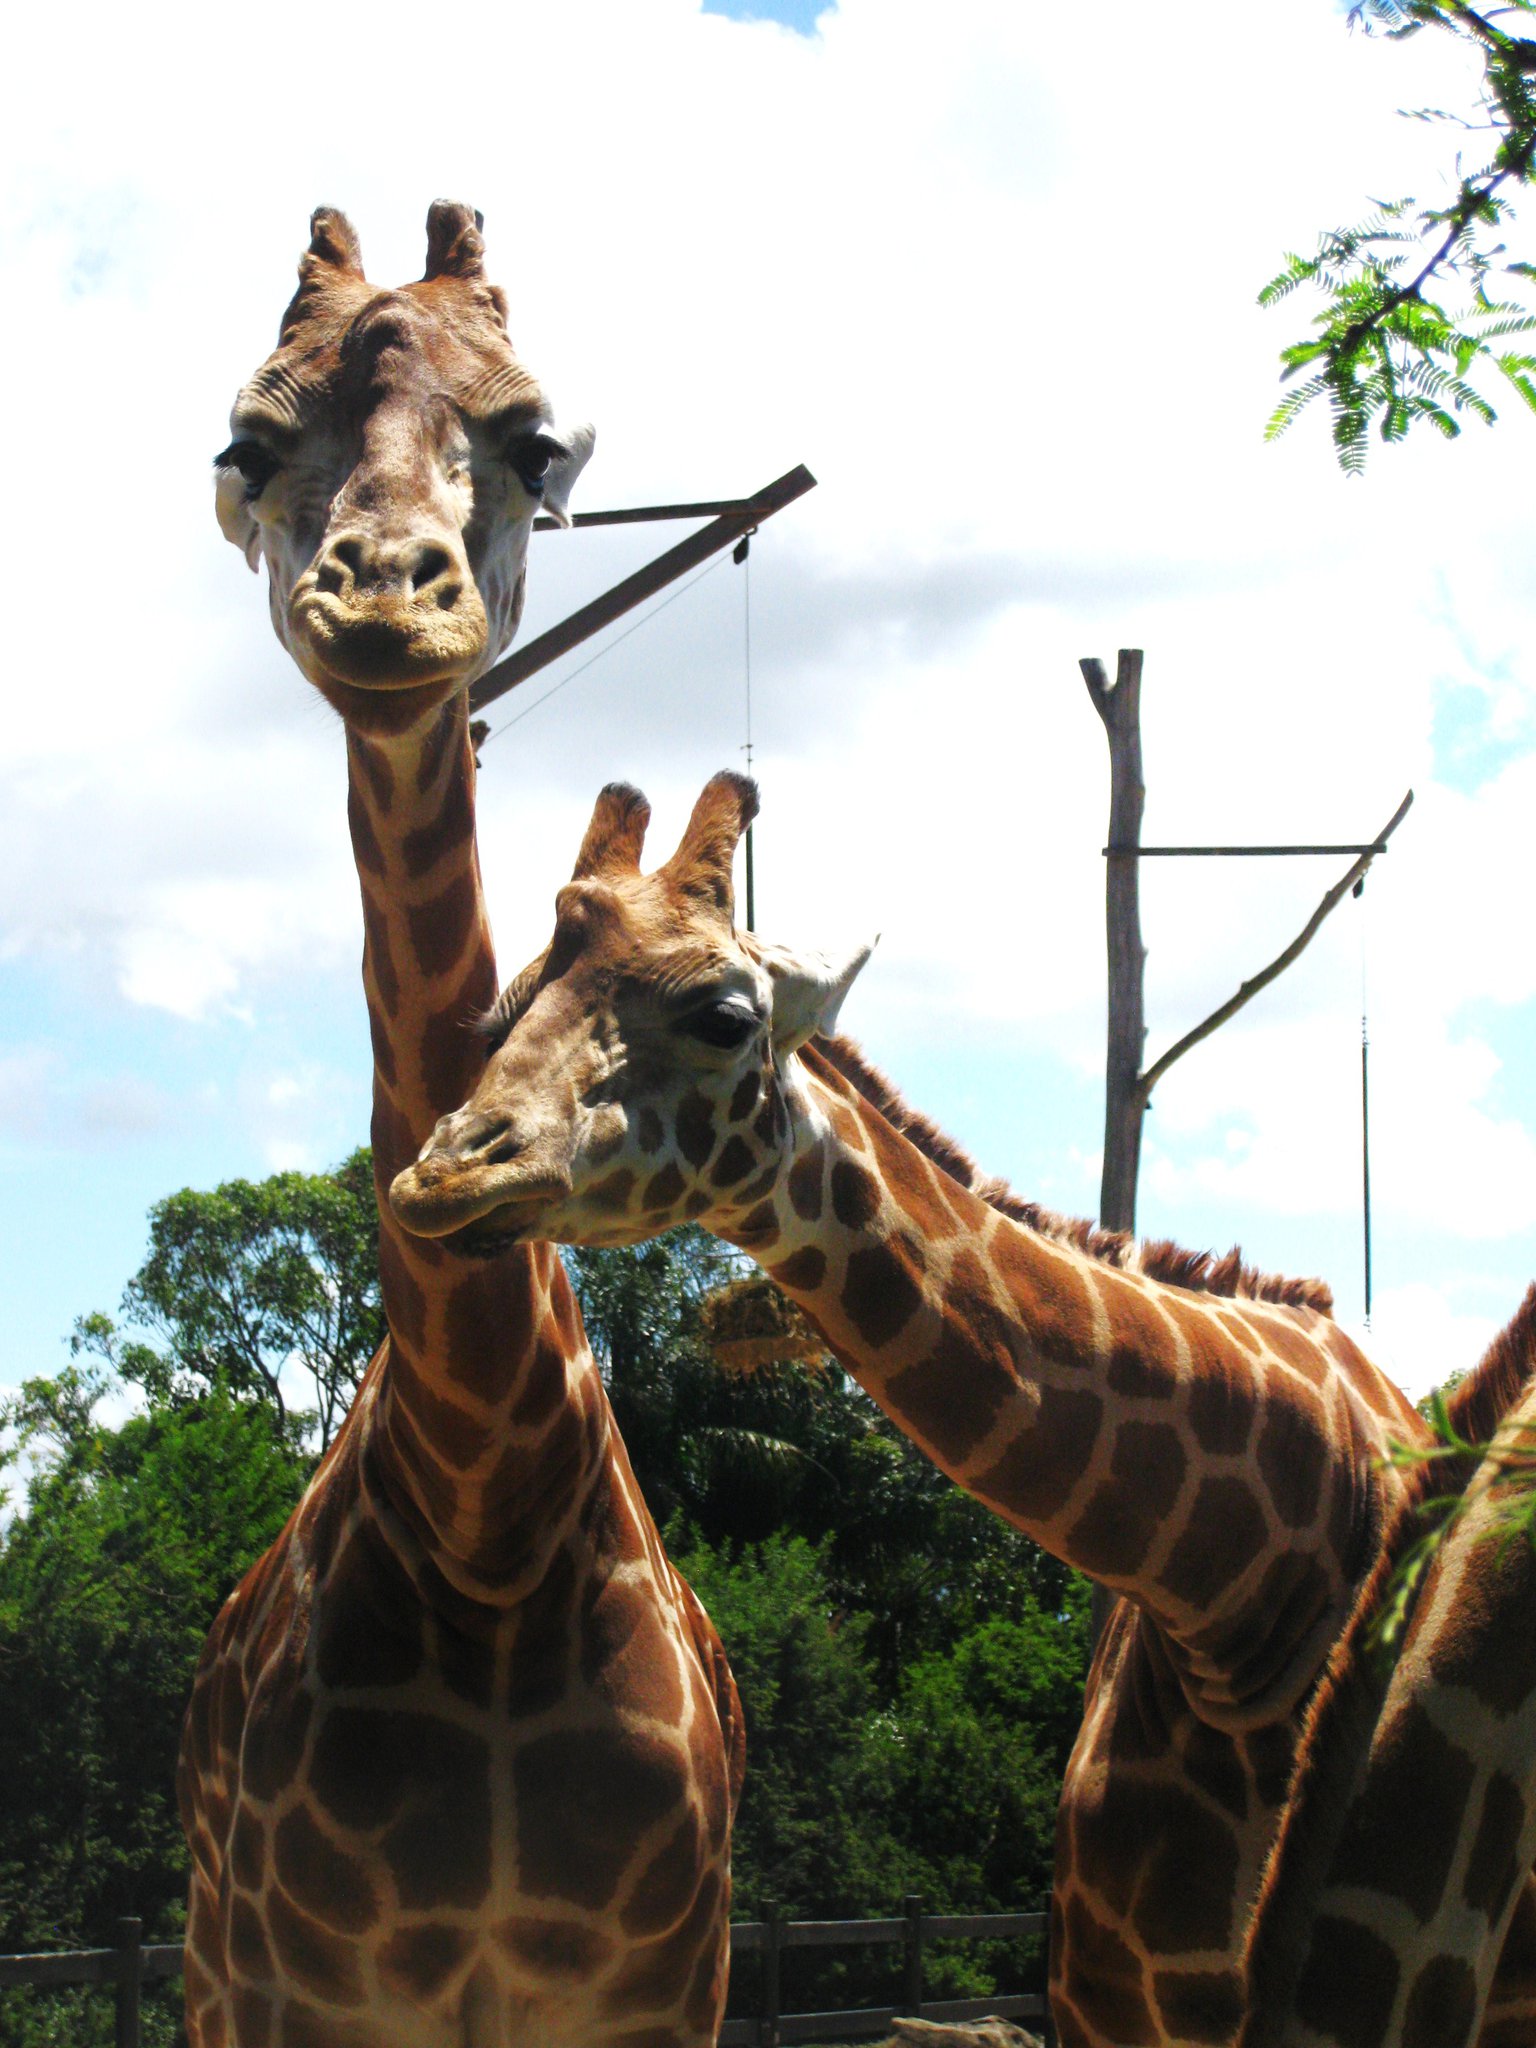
(741,516)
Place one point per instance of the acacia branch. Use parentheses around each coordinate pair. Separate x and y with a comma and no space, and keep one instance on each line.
(1249,989)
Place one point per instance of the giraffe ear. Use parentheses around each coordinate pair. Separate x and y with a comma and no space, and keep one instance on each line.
(808,993)
(575,446)
(237,523)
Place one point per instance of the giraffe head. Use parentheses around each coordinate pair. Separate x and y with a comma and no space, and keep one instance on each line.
(388,459)
(639,1066)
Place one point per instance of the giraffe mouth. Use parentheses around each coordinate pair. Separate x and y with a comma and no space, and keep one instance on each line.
(388,645)
(467,1206)
(489,1236)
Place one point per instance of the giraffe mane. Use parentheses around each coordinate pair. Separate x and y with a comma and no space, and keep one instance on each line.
(1157,1258)
(1342,1712)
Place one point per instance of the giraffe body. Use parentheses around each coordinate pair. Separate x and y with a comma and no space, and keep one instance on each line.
(1405,1914)
(463,1749)
(1209,1445)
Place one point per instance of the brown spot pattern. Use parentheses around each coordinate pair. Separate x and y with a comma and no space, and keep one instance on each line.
(855,1195)
(733,1165)
(557,1948)
(695,1128)
(440,929)
(1119,1525)
(1442,2006)
(1225,1532)
(882,1292)
(585,1797)
(1492,1870)
(803,1271)
(1038,1471)
(1404,1822)
(320,1878)
(1348,1983)
(1293,1454)
(805,1179)
(417,1961)
(1220,1408)
(744,1098)
(664,1188)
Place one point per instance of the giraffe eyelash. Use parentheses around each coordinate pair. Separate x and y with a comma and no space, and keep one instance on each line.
(495,1024)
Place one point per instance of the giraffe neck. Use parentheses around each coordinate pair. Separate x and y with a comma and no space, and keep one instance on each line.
(487,1424)
(1210,1457)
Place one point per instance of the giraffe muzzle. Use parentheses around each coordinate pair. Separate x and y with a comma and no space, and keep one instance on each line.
(439,1195)
(390,614)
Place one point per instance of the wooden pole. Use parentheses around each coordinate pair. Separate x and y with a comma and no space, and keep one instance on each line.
(1119,707)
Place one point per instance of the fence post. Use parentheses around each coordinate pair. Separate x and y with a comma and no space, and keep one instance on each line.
(912,1974)
(1048,2030)
(130,1975)
(773,1938)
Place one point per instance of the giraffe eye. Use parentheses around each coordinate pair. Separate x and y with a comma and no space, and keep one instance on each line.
(531,458)
(727,1024)
(256,464)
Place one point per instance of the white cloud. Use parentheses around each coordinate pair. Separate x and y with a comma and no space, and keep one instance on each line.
(1419,1337)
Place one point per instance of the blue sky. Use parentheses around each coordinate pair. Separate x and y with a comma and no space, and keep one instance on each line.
(928,277)
(800,15)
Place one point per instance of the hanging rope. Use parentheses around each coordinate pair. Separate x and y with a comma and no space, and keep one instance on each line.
(592,659)
(741,554)
(1365,1101)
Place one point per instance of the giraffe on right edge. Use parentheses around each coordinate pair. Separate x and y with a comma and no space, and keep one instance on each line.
(1207,1443)
(1402,1911)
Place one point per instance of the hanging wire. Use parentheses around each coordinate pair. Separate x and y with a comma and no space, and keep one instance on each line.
(1365,1101)
(592,659)
(742,554)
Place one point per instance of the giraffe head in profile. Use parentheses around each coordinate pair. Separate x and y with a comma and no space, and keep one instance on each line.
(388,460)
(638,1068)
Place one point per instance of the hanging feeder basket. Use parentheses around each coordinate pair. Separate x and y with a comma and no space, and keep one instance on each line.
(749,1323)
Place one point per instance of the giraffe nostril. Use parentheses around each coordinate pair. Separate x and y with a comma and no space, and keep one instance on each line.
(431,563)
(502,1148)
(340,568)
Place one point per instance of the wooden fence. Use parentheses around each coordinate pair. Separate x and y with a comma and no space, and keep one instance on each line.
(129,1965)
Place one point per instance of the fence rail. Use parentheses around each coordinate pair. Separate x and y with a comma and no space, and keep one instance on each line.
(129,1965)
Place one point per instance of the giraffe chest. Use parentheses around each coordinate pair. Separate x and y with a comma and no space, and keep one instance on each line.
(1164,1826)
(445,1840)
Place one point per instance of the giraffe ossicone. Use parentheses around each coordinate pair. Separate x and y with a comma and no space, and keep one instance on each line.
(1204,1440)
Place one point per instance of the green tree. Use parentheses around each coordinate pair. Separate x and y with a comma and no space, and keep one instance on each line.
(807,1834)
(1420,302)
(249,1281)
(129,1541)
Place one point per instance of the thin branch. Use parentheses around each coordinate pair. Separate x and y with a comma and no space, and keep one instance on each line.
(1249,989)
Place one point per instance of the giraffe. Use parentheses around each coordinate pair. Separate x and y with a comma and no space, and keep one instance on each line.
(1207,1443)
(463,1749)
(1402,1911)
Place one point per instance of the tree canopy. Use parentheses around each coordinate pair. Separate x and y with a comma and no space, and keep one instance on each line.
(250,1284)
(1422,303)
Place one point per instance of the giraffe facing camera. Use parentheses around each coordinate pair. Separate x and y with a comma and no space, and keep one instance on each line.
(463,1749)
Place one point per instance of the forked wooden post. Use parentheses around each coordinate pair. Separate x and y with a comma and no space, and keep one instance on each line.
(1119,706)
